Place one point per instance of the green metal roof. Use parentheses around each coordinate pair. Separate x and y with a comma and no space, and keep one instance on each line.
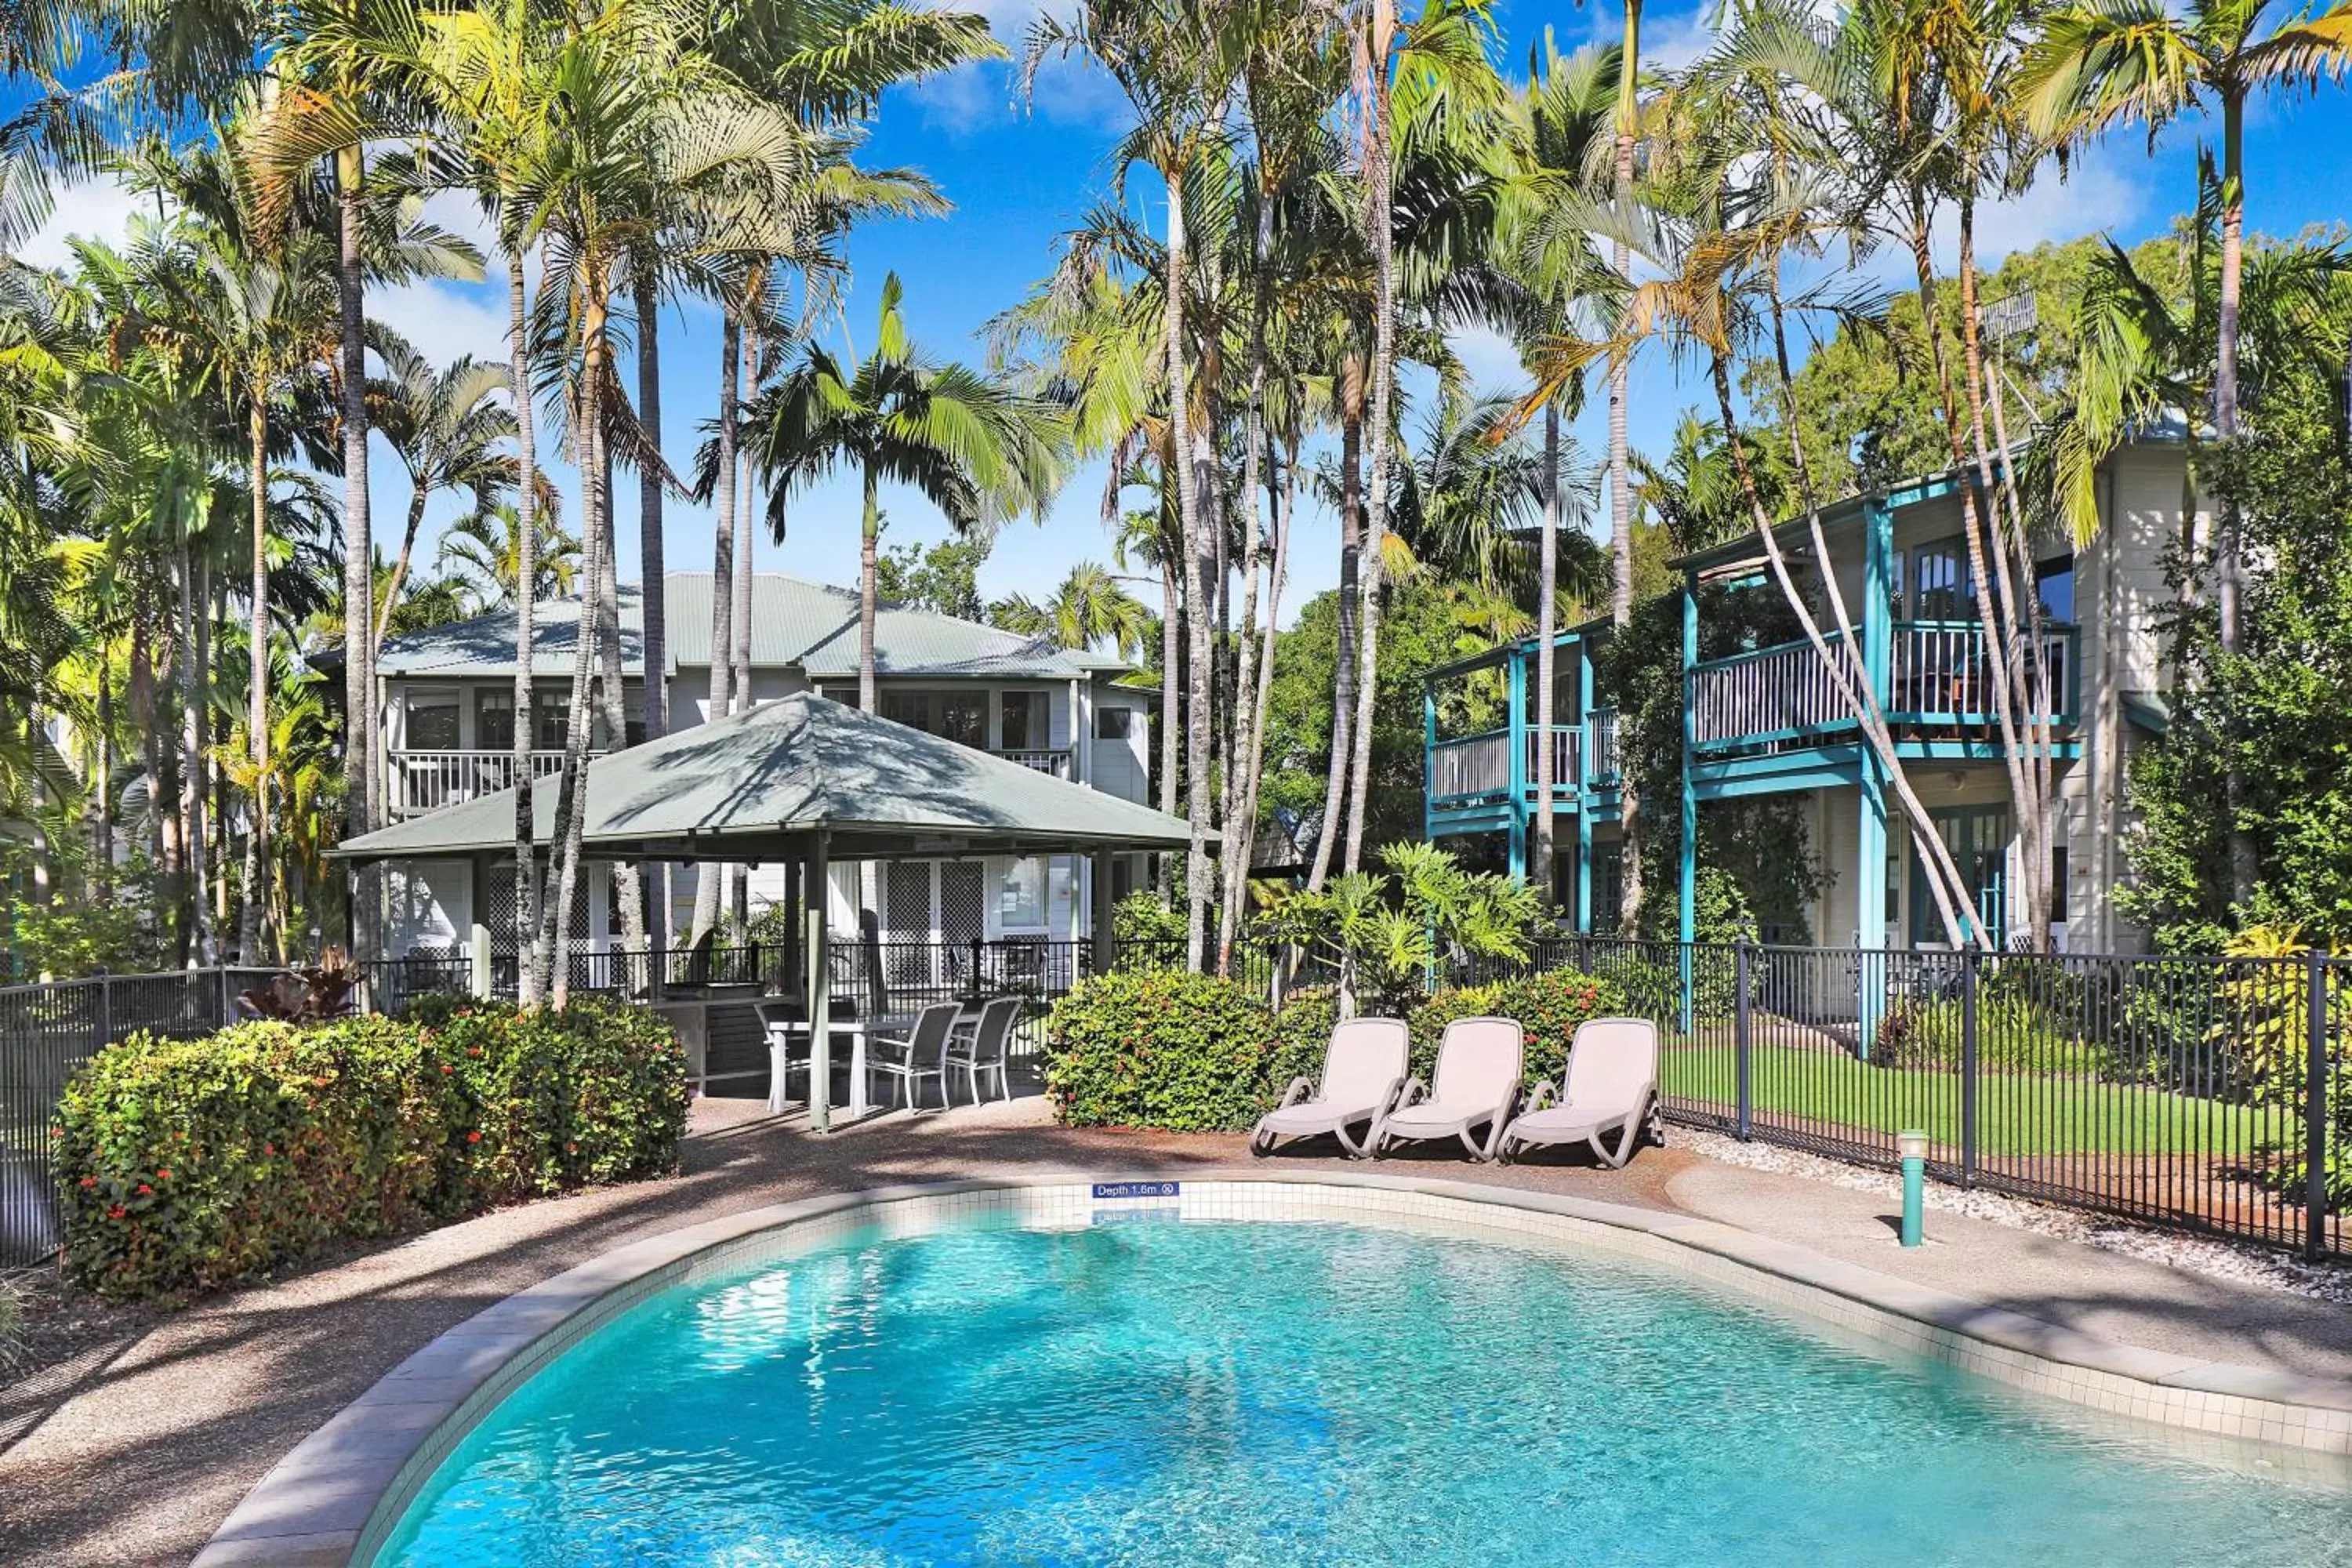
(809,626)
(762,784)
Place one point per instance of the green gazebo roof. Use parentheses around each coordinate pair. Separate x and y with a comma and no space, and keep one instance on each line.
(764,786)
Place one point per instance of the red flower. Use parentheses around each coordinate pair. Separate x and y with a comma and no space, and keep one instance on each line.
(145,1191)
(446,1070)
(475,1137)
(117,1212)
(268,1149)
(90,1180)
(162,1175)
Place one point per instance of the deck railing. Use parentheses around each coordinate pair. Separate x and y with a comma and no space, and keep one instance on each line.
(1471,766)
(1781,693)
(1567,751)
(427,781)
(1940,674)
(1041,759)
(1604,745)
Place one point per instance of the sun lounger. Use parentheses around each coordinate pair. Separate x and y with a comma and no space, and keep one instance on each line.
(1611,1087)
(1363,1068)
(1475,1084)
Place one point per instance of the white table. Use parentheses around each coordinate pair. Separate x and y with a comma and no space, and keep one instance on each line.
(859,1030)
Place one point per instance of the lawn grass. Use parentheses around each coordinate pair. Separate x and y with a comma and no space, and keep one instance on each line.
(2016,1114)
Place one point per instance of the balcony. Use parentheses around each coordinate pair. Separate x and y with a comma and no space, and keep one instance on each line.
(427,781)
(1939,685)
(1040,759)
(1474,769)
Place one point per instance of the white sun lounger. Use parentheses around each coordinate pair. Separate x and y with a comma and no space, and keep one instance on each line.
(1475,1084)
(1611,1087)
(1363,1068)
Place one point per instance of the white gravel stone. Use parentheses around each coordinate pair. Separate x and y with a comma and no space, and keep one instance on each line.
(2241,1262)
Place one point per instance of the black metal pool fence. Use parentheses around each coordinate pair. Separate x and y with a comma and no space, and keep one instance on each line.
(2205,1094)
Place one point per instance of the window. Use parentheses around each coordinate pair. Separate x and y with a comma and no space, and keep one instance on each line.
(493,720)
(2054,582)
(1114,723)
(1942,588)
(951,715)
(1022,725)
(432,720)
(551,716)
(1021,896)
(2058,884)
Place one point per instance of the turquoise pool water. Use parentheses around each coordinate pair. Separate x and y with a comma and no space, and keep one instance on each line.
(1173,1395)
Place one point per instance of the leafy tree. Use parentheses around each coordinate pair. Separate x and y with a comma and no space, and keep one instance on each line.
(943,577)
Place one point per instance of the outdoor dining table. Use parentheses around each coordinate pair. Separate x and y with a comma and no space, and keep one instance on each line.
(783,1033)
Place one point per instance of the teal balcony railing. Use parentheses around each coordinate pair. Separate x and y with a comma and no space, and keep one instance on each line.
(1939,677)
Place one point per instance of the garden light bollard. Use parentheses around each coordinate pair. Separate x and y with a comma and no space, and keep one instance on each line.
(1914,1145)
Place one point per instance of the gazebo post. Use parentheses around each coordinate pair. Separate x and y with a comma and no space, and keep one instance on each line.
(1099,895)
(820,1004)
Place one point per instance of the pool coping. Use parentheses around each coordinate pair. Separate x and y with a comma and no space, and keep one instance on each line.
(337,1489)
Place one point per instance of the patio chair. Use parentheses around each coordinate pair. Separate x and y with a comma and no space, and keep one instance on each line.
(901,1058)
(985,1047)
(1364,1068)
(1611,1087)
(1475,1084)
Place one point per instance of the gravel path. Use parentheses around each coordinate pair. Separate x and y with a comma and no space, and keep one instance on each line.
(2238,1262)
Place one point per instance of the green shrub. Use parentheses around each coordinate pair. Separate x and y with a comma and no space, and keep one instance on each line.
(190,1164)
(1189,1053)
(1548,1006)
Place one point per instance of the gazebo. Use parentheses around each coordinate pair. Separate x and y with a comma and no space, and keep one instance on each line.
(804,782)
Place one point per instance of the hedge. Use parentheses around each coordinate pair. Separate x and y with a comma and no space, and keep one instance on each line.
(187,1165)
(1192,1053)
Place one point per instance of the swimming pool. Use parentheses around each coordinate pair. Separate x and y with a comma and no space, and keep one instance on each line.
(1176,1393)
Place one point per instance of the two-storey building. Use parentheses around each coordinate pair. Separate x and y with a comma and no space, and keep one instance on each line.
(449,729)
(1770,721)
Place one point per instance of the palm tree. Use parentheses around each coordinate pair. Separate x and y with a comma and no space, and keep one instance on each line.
(969,444)
(2094,66)
(1621,480)
(1089,609)
(1560,118)
(489,548)
(449,430)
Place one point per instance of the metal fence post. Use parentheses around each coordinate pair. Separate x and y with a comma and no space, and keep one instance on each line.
(220,978)
(1968,1075)
(1741,1024)
(2315,1111)
(104,1015)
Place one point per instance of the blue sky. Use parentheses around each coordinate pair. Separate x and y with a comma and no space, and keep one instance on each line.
(1019,176)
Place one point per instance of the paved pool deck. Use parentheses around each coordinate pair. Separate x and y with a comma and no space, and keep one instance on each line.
(143,1457)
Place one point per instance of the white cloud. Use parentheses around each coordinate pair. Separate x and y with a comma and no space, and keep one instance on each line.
(442,320)
(100,209)
(1490,359)
(2094,196)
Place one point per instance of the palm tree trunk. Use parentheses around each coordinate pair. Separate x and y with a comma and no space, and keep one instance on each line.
(256,697)
(628,887)
(2010,552)
(653,570)
(2228,571)
(708,879)
(1252,760)
(738,874)
(531,980)
(1197,552)
(1172,699)
(1972,527)
(399,578)
(1374,64)
(1547,577)
(1943,875)
(1240,828)
(101,847)
(1621,470)
(869,537)
(1343,663)
(363,750)
(571,814)
(191,805)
